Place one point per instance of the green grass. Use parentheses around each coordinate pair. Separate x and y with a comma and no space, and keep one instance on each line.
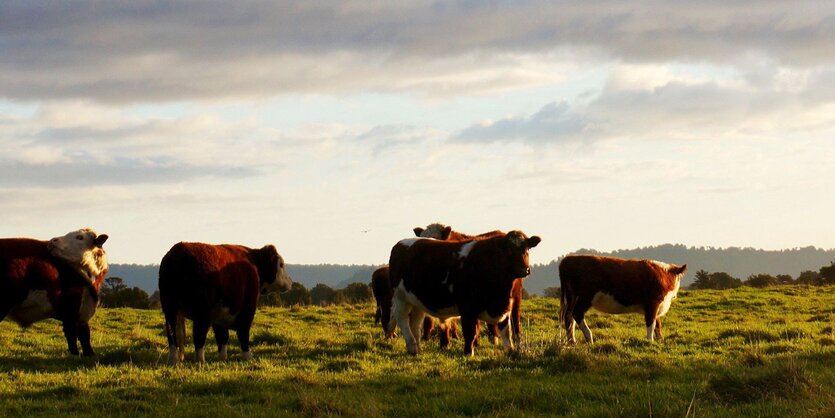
(743,352)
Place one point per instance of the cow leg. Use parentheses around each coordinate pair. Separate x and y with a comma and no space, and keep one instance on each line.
(580,316)
(175,332)
(71,334)
(416,318)
(567,315)
(657,328)
(428,325)
(649,317)
(243,323)
(199,329)
(84,338)
(493,330)
(377,315)
(400,315)
(444,334)
(515,320)
(385,320)
(222,338)
(453,329)
(504,328)
(171,335)
(469,325)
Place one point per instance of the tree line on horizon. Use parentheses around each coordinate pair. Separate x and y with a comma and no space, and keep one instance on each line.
(115,293)
(722,280)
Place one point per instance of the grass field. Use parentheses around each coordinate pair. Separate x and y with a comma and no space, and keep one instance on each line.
(744,352)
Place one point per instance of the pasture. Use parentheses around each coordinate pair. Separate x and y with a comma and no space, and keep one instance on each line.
(743,352)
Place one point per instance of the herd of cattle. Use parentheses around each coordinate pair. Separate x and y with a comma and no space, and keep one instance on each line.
(439,274)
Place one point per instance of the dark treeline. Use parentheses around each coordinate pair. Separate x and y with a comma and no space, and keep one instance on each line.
(722,280)
(146,276)
(116,294)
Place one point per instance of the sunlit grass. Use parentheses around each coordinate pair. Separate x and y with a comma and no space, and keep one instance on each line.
(741,352)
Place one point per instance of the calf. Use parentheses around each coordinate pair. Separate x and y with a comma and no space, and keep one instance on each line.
(470,279)
(444,232)
(215,286)
(57,279)
(616,286)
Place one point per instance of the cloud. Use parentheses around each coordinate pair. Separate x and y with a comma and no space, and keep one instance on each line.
(554,122)
(662,102)
(122,172)
(159,51)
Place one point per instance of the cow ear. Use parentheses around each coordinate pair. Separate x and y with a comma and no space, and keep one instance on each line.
(447,231)
(534,241)
(679,270)
(99,241)
(418,231)
(269,250)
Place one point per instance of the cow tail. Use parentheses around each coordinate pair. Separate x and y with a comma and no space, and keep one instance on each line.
(563,304)
(180,334)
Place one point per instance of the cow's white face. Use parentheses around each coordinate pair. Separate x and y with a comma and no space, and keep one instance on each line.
(436,230)
(83,250)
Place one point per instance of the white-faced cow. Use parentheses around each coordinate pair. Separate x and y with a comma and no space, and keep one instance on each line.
(446,233)
(57,279)
(215,286)
(470,279)
(616,286)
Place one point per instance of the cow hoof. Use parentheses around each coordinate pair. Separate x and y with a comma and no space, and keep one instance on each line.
(246,355)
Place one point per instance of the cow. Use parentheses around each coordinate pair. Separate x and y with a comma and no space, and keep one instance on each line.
(215,286)
(446,233)
(59,279)
(616,286)
(472,280)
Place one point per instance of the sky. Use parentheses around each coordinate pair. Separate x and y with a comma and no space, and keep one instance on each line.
(331,129)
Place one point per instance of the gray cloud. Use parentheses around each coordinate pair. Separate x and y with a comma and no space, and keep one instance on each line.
(554,121)
(122,172)
(162,51)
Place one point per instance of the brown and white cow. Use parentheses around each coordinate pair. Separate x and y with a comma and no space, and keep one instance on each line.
(470,279)
(57,279)
(215,286)
(446,233)
(616,286)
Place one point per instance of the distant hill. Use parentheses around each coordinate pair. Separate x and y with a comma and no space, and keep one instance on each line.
(738,262)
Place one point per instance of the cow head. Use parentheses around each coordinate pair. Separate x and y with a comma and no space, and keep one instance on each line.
(271,270)
(436,230)
(83,250)
(517,244)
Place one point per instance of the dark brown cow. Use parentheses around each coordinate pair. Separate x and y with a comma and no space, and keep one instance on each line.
(616,286)
(57,279)
(444,232)
(470,279)
(215,286)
